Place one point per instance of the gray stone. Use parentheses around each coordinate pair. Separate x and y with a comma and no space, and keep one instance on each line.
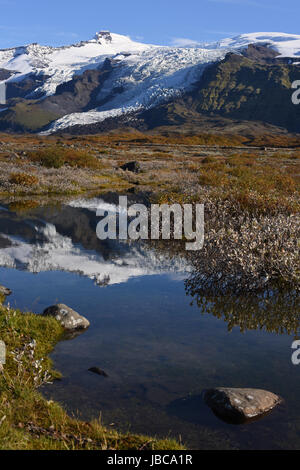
(4,291)
(240,404)
(67,317)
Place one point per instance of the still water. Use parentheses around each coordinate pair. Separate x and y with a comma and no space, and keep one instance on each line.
(159,351)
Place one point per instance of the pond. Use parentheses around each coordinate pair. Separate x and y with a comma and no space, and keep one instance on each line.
(159,352)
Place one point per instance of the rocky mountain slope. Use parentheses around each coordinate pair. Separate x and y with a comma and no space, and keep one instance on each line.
(111,82)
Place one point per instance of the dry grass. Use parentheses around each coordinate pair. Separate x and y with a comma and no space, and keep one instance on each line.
(258,179)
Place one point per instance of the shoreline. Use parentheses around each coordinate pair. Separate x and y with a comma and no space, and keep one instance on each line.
(30,422)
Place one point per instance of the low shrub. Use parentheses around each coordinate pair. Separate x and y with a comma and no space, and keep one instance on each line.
(56,157)
(23,179)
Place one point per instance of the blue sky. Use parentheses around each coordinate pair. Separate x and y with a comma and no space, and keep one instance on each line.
(165,22)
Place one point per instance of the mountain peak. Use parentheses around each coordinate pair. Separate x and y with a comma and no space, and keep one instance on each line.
(103,35)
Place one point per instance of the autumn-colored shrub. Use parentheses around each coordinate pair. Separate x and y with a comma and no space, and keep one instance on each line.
(57,156)
(23,179)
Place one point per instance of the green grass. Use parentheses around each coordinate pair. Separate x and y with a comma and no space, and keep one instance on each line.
(28,116)
(27,419)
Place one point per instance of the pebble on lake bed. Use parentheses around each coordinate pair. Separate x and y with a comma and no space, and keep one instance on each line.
(98,371)
(67,317)
(238,405)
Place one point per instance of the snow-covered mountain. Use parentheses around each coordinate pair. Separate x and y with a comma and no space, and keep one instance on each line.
(287,45)
(142,76)
(61,63)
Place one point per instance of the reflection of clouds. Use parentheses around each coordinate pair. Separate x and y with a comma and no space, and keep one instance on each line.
(94,205)
(58,253)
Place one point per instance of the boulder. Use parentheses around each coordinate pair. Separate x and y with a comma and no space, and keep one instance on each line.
(4,291)
(238,405)
(67,317)
(134,166)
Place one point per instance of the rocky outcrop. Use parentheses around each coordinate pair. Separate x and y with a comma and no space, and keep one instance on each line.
(238,405)
(244,88)
(67,317)
(5,74)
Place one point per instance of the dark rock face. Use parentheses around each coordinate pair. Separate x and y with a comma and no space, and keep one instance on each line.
(27,112)
(239,405)
(249,89)
(26,87)
(68,318)
(134,167)
(4,242)
(259,52)
(80,93)
(5,74)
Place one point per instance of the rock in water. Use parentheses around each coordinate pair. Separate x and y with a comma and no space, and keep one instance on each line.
(98,371)
(4,291)
(68,318)
(238,405)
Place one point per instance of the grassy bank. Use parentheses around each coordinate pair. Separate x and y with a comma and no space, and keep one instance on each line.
(27,420)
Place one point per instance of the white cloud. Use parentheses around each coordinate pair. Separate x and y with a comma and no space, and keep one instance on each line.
(184,42)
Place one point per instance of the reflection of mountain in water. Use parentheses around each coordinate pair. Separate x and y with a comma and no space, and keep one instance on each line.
(52,239)
(273,311)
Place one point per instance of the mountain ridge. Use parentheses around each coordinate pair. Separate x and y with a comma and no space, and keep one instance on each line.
(111,78)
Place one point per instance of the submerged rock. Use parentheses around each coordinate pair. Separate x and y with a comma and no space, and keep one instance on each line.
(238,405)
(98,371)
(4,291)
(68,318)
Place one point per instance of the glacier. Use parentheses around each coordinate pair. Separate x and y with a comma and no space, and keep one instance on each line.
(148,74)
